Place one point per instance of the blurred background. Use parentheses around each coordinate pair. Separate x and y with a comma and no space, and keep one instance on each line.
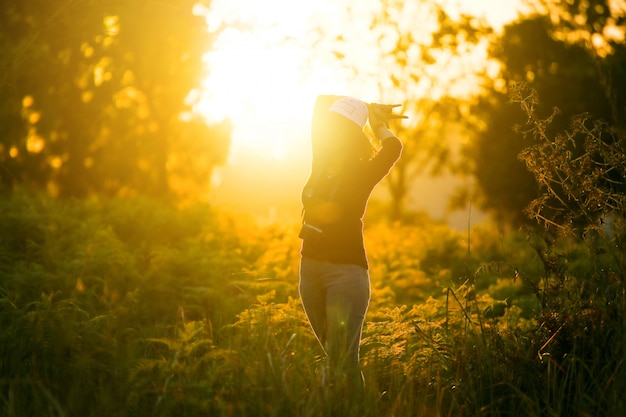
(211,100)
(152,155)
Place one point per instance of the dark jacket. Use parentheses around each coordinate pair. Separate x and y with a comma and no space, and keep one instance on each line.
(342,240)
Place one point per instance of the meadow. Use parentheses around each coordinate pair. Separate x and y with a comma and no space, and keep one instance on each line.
(132,307)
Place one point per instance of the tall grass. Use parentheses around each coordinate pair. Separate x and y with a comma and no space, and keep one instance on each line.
(131,307)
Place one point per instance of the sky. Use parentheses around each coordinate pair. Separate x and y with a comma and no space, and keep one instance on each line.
(264,76)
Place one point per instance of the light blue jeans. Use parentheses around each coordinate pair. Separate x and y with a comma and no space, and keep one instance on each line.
(335,299)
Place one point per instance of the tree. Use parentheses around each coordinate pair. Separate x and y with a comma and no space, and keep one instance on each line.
(564,76)
(97,92)
(419,56)
(581,171)
(598,26)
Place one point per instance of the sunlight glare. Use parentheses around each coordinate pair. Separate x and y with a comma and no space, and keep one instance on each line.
(496,12)
(264,76)
(260,78)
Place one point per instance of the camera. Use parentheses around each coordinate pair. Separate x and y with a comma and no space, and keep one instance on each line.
(310,233)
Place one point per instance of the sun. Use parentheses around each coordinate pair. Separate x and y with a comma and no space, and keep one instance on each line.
(260,86)
(261,76)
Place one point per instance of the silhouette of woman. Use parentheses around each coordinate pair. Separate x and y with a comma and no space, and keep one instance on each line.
(334,280)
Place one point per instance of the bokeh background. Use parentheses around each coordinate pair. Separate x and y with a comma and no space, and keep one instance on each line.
(152,154)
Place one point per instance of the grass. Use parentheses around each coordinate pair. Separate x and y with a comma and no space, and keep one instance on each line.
(132,307)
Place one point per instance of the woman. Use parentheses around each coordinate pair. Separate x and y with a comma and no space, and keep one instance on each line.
(334,282)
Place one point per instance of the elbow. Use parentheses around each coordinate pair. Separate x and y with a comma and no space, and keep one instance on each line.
(393,143)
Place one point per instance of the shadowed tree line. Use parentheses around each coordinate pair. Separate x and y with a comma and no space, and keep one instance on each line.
(96,94)
(571,74)
(568,52)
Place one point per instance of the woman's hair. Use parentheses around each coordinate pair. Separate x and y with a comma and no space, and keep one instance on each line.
(334,136)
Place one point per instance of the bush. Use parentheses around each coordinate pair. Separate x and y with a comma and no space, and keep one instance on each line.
(134,307)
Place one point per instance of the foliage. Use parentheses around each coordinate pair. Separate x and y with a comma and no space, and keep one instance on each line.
(582,179)
(599,27)
(95,94)
(132,307)
(565,76)
(590,186)
(85,284)
(581,171)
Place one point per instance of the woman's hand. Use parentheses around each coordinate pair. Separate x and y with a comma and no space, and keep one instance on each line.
(380,114)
